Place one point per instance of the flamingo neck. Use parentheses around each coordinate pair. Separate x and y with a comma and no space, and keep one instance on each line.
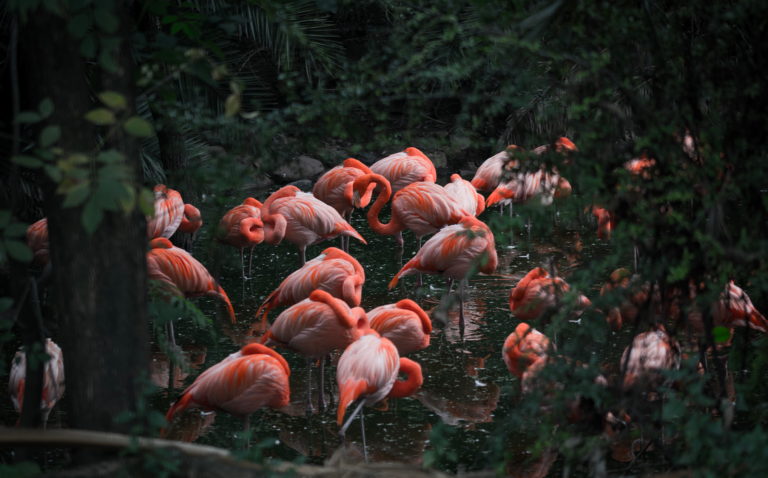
(394,226)
(402,389)
(191,220)
(408,304)
(258,349)
(277,223)
(247,227)
(354,163)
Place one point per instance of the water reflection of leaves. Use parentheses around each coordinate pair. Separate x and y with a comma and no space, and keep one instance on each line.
(522,464)
(474,310)
(190,425)
(159,366)
(244,333)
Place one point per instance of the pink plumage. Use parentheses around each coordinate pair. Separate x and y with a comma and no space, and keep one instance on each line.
(335,186)
(37,240)
(53,379)
(466,195)
(407,167)
(538,294)
(425,208)
(171,214)
(405,324)
(651,353)
(489,175)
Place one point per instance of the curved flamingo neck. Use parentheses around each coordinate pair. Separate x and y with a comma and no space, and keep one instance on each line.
(345,318)
(246,226)
(408,304)
(274,234)
(192,220)
(288,191)
(258,349)
(402,389)
(160,243)
(336,253)
(394,226)
(354,163)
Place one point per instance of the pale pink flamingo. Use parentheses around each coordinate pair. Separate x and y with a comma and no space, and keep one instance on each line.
(334,271)
(241,227)
(453,253)
(489,175)
(37,240)
(367,372)
(644,362)
(538,295)
(53,380)
(241,384)
(302,219)
(405,324)
(525,353)
(422,207)
(181,274)
(335,189)
(171,214)
(403,169)
(466,195)
(315,327)
(563,146)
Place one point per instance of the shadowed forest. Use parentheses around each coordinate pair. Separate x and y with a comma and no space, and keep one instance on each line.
(368,238)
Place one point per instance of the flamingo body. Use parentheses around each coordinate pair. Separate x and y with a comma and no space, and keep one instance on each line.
(176,268)
(735,309)
(407,167)
(241,227)
(171,214)
(527,186)
(650,354)
(405,324)
(630,305)
(525,353)
(465,195)
(335,187)
(538,293)
(37,240)
(53,379)
(488,176)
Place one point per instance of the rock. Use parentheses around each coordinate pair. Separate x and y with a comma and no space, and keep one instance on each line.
(438,158)
(367,158)
(259,182)
(302,167)
(464,173)
(303,184)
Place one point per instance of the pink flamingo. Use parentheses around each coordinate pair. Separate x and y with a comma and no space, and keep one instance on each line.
(424,208)
(315,327)
(643,363)
(525,353)
(335,189)
(180,273)
(405,324)
(452,253)
(171,214)
(538,295)
(367,373)
(302,219)
(53,379)
(488,176)
(241,384)
(563,145)
(334,271)
(466,195)
(241,227)
(37,240)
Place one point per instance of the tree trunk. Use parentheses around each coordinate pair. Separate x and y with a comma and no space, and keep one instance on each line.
(99,280)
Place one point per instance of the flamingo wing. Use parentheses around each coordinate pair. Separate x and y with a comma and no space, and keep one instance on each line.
(169,211)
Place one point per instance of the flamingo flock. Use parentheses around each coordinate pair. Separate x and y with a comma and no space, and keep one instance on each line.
(323,295)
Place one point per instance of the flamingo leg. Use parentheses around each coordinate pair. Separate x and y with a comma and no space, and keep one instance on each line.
(246,432)
(501,209)
(250,262)
(308,402)
(362,428)
(342,242)
(460,292)
(242,265)
(399,239)
(511,233)
(418,279)
(321,405)
(302,256)
(343,431)
(171,338)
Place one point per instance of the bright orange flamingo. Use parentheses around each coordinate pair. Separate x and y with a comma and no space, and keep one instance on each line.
(452,253)
(645,360)
(424,208)
(367,373)
(633,297)
(525,353)
(315,327)
(466,195)
(302,219)
(182,274)
(53,380)
(403,169)
(171,214)
(334,271)
(37,240)
(405,324)
(537,296)
(241,227)
(335,189)
(241,384)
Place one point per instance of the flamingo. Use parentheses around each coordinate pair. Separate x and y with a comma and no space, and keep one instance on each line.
(452,253)
(171,214)
(488,176)
(405,324)
(367,373)
(302,219)
(53,379)
(733,309)
(643,362)
(334,271)
(466,195)
(37,240)
(180,273)
(563,145)
(315,327)
(335,189)
(537,295)
(527,186)
(403,169)
(424,208)
(525,353)
(635,298)
(241,384)
(241,227)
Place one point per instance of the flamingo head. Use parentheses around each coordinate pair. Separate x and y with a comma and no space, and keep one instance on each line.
(192,220)
(252,202)
(364,185)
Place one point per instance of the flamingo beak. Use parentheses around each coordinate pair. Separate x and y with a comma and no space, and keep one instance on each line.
(356,199)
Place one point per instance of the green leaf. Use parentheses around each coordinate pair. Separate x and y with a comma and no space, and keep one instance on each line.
(106,57)
(50,135)
(138,126)
(232,105)
(113,100)
(110,156)
(24,469)
(27,161)
(721,334)
(27,117)
(106,20)
(5,218)
(100,116)
(17,229)
(5,303)
(77,194)
(19,250)
(92,215)
(88,47)
(79,25)
(46,108)
(177,27)
(53,172)
(169,19)
(146,202)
